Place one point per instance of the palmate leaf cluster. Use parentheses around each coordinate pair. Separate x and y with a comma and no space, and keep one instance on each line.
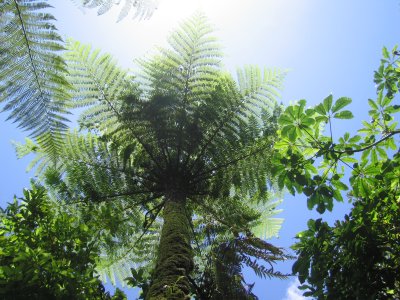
(183,126)
(358,257)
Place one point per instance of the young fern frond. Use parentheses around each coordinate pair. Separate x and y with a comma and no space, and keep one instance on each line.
(32,74)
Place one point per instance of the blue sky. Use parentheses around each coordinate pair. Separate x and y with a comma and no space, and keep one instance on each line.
(328,46)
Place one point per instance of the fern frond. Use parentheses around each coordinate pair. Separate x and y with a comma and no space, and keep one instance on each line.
(187,69)
(259,88)
(98,85)
(101,86)
(32,75)
(236,122)
(139,251)
(144,9)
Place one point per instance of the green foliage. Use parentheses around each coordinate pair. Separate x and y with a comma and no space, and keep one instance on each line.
(45,252)
(358,257)
(32,80)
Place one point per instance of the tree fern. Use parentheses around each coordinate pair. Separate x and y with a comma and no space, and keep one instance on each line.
(32,74)
(183,141)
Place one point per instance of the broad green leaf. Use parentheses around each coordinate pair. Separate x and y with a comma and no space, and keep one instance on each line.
(373,104)
(340,103)
(302,104)
(382,153)
(355,139)
(380,96)
(340,185)
(365,154)
(348,159)
(346,136)
(374,156)
(285,130)
(371,170)
(328,103)
(362,187)
(391,144)
(386,101)
(346,114)
(393,109)
(320,109)
(292,134)
(385,53)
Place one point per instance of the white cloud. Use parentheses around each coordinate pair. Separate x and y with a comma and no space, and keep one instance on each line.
(293,293)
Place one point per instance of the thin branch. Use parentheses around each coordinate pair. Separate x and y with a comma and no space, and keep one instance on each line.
(345,163)
(369,146)
(330,128)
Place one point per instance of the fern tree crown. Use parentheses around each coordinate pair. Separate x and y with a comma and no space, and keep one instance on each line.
(184,138)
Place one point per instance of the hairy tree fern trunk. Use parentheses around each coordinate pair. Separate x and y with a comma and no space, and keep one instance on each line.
(175,257)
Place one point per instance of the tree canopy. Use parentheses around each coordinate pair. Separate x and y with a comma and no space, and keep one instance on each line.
(46,252)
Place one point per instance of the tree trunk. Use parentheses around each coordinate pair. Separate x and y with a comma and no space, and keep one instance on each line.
(175,257)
